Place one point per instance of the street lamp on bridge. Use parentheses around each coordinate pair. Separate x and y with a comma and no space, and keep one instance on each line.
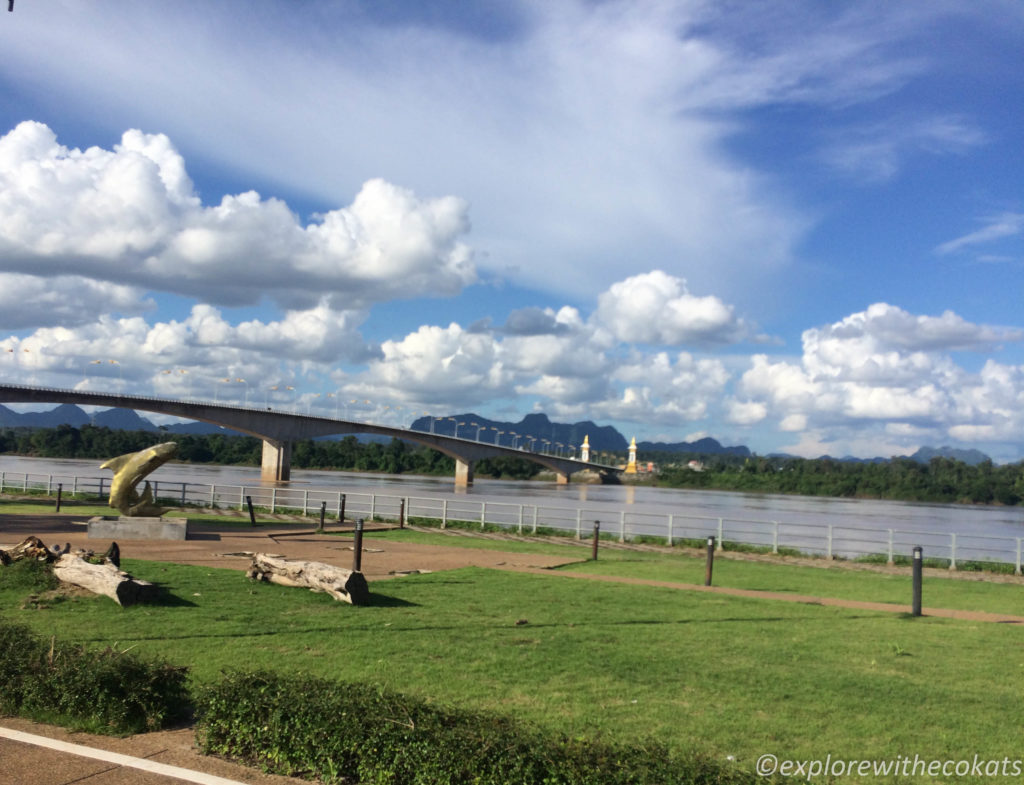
(183,372)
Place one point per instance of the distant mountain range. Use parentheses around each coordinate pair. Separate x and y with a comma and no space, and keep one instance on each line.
(121,419)
(536,426)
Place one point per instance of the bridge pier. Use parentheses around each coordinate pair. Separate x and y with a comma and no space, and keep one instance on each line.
(277,461)
(463,472)
(561,479)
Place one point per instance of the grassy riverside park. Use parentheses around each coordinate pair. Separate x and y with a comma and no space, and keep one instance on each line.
(734,676)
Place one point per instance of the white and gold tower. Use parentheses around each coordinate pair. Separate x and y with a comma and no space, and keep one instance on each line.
(631,466)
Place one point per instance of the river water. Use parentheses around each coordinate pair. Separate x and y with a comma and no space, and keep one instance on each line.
(976,521)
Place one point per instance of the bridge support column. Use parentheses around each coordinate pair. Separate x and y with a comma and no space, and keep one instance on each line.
(561,479)
(463,473)
(277,461)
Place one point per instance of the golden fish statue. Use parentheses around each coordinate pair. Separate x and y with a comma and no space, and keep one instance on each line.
(128,470)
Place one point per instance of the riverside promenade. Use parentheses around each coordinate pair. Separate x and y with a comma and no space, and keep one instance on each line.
(33,754)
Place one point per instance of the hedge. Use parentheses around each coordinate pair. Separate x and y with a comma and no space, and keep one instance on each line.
(97,690)
(341,732)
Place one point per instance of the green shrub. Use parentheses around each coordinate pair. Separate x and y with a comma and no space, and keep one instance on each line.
(103,691)
(302,726)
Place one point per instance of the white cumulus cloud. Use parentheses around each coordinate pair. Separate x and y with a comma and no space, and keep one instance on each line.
(129,216)
(657,308)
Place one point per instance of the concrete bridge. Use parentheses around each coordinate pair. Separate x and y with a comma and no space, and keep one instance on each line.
(280,430)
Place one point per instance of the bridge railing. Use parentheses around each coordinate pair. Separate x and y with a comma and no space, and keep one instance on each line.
(956,549)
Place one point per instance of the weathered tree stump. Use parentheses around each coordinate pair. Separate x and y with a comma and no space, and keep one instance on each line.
(76,568)
(105,579)
(31,548)
(345,585)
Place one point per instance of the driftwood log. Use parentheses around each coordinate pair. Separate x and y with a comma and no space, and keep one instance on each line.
(345,585)
(104,577)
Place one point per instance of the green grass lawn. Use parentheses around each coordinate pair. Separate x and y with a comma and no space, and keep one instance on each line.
(830,579)
(737,676)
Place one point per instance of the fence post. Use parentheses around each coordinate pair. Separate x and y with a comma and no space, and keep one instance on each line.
(519,528)
(401,514)
(305,501)
(444,514)
(74,486)
(535,519)
(1017,570)
(183,485)
(891,554)
(373,506)
(323,514)
(775,536)
(952,551)
(579,524)
(213,496)
(710,563)
(671,519)
(273,500)
(622,526)
(341,509)
(337,507)
(483,514)
(828,553)
(49,484)
(721,538)
(597,537)
(916,607)
(241,497)
(357,547)
(60,487)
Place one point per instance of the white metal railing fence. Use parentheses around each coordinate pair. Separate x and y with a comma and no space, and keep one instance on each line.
(830,540)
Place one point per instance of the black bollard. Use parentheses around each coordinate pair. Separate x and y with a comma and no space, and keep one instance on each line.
(60,487)
(710,562)
(357,547)
(916,610)
(252,513)
(597,534)
(323,512)
(401,514)
(341,510)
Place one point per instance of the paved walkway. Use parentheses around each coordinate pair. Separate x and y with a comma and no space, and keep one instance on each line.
(33,754)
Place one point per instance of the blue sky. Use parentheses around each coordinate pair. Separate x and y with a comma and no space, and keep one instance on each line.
(792,225)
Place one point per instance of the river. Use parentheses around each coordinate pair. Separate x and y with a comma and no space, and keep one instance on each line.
(976,521)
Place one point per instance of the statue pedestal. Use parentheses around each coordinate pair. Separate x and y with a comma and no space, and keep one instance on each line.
(125,528)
